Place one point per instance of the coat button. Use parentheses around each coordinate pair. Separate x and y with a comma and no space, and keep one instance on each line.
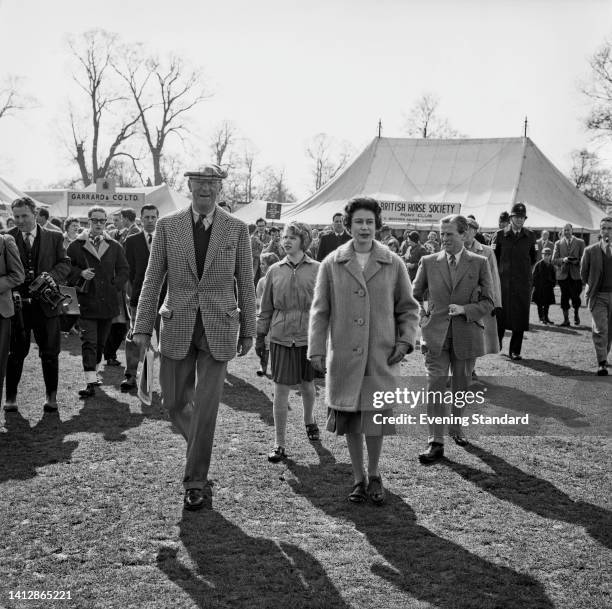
(360,292)
(359,350)
(359,322)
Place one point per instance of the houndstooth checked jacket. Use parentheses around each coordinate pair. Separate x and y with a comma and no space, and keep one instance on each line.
(228,258)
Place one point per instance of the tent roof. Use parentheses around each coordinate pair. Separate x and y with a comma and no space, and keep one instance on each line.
(163,197)
(254,210)
(8,193)
(487,176)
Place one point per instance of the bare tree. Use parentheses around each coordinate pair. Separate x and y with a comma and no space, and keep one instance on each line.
(12,98)
(107,120)
(424,121)
(599,91)
(589,177)
(328,158)
(274,186)
(163,91)
(240,186)
(222,141)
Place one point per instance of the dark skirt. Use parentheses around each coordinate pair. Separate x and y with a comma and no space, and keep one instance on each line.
(290,365)
(342,422)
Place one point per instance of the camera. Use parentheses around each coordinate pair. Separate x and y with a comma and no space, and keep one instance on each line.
(44,289)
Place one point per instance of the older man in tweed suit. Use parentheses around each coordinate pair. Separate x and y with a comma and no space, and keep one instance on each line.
(207,317)
(459,292)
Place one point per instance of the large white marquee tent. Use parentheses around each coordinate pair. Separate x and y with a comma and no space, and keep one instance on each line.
(487,176)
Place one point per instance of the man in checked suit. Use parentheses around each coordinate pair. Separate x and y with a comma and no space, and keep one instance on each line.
(207,317)
(460,294)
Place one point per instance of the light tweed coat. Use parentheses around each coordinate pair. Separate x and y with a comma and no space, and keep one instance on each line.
(364,314)
(473,289)
(228,263)
(490,321)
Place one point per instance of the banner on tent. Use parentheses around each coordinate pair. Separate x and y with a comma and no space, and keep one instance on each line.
(121,199)
(416,212)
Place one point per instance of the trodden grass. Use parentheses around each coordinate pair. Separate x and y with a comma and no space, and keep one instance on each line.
(91,503)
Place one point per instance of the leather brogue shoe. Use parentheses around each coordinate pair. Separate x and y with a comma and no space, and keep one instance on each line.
(515,357)
(194,499)
(433,453)
(127,384)
(601,371)
(460,440)
(88,392)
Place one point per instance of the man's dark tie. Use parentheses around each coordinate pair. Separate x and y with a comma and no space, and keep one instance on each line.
(200,222)
(150,238)
(26,240)
(452,264)
(608,251)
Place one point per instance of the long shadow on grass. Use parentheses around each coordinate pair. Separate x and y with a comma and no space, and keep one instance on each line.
(23,449)
(237,571)
(429,568)
(509,483)
(556,369)
(240,395)
(515,399)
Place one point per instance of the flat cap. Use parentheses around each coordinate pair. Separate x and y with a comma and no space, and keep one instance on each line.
(546,250)
(518,209)
(472,223)
(414,236)
(207,172)
(385,227)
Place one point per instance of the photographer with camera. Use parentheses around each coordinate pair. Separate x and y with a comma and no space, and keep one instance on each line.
(99,270)
(41,251)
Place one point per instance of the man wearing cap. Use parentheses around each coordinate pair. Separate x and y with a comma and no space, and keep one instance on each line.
(502,222)
(567,254)
(515,252)
(207,317)
(387,238)
(596,272)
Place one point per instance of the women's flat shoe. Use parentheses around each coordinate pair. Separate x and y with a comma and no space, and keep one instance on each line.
(358,494)
(376,490)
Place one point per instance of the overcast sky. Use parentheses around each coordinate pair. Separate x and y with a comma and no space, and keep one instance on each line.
(284,70)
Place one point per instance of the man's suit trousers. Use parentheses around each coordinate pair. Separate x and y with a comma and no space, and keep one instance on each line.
(191,389)
(438,368)
(47,335)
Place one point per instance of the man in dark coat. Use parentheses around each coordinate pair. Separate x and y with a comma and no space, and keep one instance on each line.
(515,251)
(119,327)
(137,249)
(334,239)
(100,270)
(40,251)
(544,281)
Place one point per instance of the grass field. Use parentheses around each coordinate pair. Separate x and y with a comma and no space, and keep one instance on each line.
(91,500)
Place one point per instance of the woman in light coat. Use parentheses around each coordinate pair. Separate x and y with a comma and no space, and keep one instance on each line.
(363,321)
